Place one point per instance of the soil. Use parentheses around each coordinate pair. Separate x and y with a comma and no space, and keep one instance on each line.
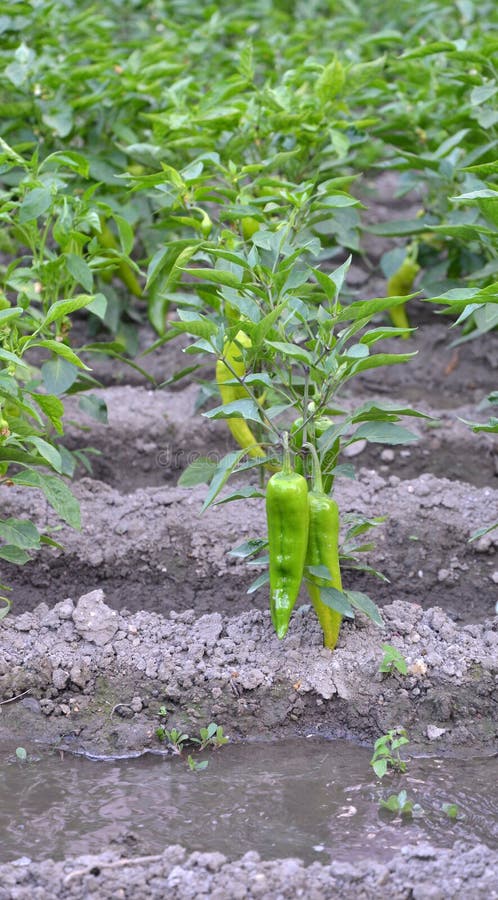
(421,873)
(143,609)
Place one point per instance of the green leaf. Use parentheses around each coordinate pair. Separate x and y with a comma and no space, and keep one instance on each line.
(382,433)
(53,409)
(199,327)
(336,600)
(126,234)
(63,350)
(244,493)
(292,351)
(222,473)
(380,334)
(248,548)
(259,582)
(47,451)
(244,408)
(35,204)
(58,375)
(182,373)
(380,767)
(13,555)
(451,810)
(379,360)
(215,276)
(482,531)
(373,410)
(4,610)
(95,407)
(12,358)
(200,471)
(62,308)
(20,533)
(366,605)
(391,804)
(366,309)
(80,270)
(58,495)
(434,47)
(7,315)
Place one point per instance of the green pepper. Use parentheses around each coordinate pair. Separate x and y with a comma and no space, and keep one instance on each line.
(315,429)
(287,518)
(399,284)
(124,271)
(323,550)
(230,365)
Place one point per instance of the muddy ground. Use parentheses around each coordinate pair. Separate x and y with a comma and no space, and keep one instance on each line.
(143,608)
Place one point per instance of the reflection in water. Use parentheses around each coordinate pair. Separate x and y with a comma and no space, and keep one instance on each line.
(309,798)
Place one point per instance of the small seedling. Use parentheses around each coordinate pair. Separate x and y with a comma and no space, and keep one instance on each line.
(452,810)
(386,752)
(21,754)
(392,661)
(195,766)
(212,736)
(175,739)
(399,803)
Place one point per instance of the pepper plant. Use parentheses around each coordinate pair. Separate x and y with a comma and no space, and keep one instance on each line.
(274,320)
(41,289)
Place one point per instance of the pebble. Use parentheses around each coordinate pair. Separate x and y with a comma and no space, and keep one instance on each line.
(60,679)
(354,449)
(433,732)
(94,620)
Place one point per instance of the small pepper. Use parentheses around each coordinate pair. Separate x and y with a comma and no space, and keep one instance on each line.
(230,366)
(323,550)
(399,284)
(315,429)
(287,518)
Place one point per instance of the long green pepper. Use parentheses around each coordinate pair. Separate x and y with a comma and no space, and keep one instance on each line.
(287,518)
(323,550)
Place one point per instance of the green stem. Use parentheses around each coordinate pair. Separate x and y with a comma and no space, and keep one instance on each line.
(286,466)
(317,472)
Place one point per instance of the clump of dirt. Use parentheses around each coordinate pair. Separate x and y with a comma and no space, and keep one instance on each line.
(95,678)
(422,872)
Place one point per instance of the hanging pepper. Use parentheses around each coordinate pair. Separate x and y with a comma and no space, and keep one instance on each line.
(316,428)
(399,284)
(124,271)
(228,368)
(287,518)
(323,550)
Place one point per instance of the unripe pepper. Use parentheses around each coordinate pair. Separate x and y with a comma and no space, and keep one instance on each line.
(287,518)
(323,550)
(316,428)
(399,284)
(229,367)
(125,273)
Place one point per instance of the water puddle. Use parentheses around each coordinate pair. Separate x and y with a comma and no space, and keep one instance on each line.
(311,798)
